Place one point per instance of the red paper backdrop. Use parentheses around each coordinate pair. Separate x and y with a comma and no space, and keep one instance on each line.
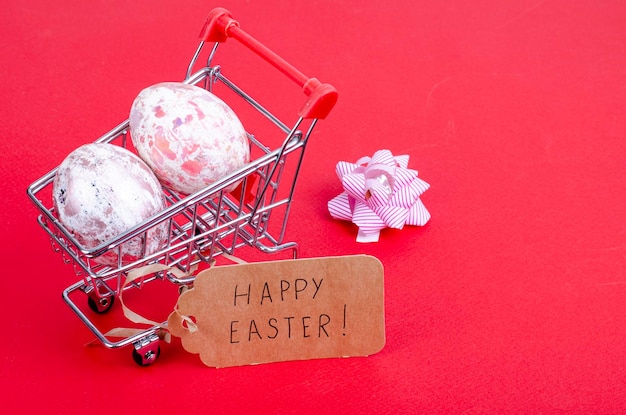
(511,300)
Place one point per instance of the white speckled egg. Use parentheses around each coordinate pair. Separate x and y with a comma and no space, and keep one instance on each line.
(188,136)
(103,190)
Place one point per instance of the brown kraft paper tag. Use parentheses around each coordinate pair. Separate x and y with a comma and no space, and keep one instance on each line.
(283,310)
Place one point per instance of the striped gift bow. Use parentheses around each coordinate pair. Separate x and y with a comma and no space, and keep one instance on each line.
(379,192)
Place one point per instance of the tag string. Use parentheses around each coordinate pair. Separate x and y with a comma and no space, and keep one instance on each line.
(187,321)
(137,318)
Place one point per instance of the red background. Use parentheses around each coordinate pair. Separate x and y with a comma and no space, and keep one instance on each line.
(511,300)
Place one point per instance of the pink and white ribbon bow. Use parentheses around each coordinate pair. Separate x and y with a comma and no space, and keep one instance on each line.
(379,192)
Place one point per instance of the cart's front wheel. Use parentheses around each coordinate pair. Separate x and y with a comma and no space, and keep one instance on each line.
(100,305)
(146,351)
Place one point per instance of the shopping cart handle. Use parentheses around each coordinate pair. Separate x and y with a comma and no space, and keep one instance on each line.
(220,25)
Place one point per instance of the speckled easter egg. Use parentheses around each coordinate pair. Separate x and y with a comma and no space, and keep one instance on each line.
(188,136)
(103,190)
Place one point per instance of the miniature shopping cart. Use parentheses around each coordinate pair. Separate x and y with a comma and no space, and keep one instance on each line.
(206,224)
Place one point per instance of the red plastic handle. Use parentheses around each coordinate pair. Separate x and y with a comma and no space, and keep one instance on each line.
(220,25)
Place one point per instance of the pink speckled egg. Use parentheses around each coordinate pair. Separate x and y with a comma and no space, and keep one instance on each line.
(188,136)
(103,190)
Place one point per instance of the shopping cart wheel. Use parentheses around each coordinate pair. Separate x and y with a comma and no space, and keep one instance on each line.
(184,288)
(147,350)
(100,305)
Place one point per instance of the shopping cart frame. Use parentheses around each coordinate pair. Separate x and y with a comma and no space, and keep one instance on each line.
(204,225)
